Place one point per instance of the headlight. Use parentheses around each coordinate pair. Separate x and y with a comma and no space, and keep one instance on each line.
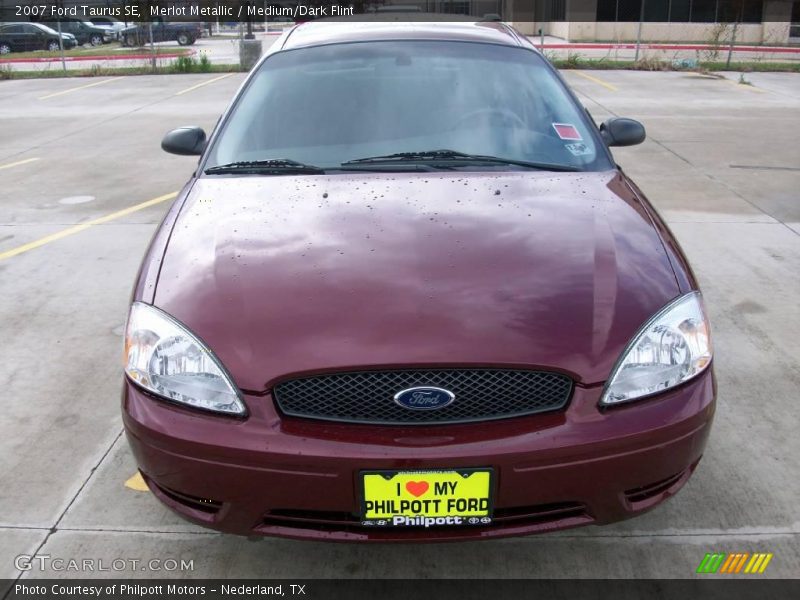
(672,347)
(163,357)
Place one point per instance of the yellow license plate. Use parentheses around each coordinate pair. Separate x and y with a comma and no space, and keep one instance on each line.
(426,498)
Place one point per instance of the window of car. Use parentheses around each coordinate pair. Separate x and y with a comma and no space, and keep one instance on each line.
(326,105)
(42,27)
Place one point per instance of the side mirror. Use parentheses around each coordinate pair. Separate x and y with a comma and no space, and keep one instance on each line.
(186,141)
(622,132)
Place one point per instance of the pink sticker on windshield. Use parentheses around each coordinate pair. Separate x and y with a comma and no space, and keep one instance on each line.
(567,132)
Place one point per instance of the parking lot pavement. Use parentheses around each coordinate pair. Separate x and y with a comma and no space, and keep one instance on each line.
(721,163)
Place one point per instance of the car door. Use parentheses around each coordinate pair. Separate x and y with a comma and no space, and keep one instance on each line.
(31,37)
(7,35)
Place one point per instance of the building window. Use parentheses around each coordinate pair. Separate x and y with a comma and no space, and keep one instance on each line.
(656,11)
(703,11)
(681,11)
(455,7)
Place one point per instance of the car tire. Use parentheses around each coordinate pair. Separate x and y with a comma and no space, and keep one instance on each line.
(52,46)
(5,48)
(96,40)
(184,39)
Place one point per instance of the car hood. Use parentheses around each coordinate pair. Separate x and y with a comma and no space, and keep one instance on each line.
(288,275)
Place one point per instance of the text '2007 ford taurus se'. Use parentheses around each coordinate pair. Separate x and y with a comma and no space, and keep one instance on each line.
(407,295)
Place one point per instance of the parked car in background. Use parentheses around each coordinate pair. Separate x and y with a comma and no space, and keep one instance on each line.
(111,24)
(183,33)
(25,37)
(84,31)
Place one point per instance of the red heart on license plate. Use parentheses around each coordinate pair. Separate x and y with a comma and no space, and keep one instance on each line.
(417,488)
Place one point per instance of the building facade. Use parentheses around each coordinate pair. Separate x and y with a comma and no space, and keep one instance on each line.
(774,22)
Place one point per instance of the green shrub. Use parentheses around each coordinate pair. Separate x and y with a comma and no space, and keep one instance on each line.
(184,64)
(573,60)
(204,64)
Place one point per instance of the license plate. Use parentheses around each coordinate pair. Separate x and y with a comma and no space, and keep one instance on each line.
(426,498)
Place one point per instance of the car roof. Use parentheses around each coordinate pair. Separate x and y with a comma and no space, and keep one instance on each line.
(422,27)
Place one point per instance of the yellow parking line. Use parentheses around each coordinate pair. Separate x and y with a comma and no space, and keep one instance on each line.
(199,85)
(80,87)
(747,86)
(750,86)
(137,483)
(78,228)
(605,84)
(18,163)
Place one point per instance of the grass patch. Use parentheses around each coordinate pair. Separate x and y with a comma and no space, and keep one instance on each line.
(114,49)
(653,64)
(96,71)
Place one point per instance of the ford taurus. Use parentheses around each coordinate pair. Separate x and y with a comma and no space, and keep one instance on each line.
(407,294)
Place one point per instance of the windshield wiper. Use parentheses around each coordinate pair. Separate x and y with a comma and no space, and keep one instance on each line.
(452,157)
(273,166)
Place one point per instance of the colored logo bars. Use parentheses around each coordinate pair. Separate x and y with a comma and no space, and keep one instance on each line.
(737,562)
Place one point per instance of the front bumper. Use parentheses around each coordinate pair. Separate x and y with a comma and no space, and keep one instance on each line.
(290,477)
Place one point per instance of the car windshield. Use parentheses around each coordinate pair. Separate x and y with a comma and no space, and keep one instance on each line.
(327,105)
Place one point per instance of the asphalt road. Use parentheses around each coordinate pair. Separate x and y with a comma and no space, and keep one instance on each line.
(78,158)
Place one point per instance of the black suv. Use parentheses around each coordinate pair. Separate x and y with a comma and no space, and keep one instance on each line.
(183,33)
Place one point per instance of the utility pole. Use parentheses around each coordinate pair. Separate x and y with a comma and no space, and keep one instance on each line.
(61,40)
(249,35)
(639,33)
(152,46)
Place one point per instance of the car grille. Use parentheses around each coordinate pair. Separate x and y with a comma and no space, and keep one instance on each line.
(368,397)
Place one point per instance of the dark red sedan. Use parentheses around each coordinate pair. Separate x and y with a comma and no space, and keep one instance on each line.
(408,295)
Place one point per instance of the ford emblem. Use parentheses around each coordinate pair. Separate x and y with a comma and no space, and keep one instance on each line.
(424,398)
